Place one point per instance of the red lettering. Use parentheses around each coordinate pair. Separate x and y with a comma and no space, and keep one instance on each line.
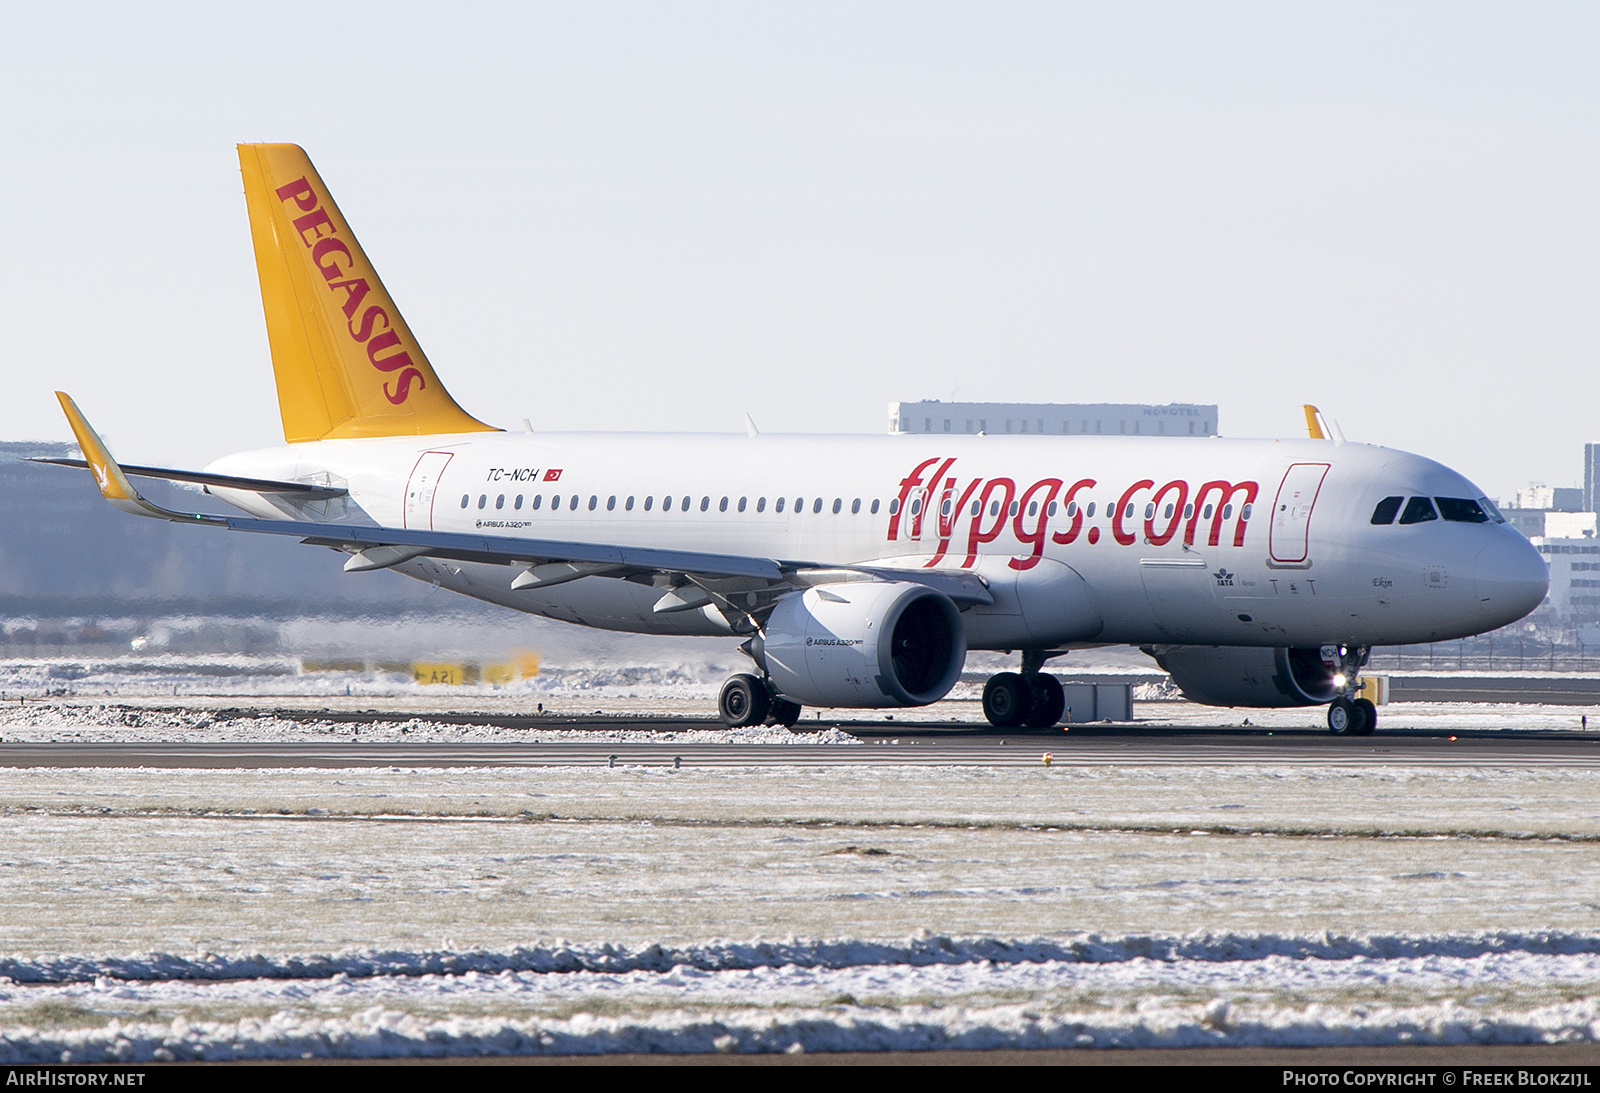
(1176,521)
(304,196)
(313,222)
(370,316)
(404,386)
(325,248)
(947,521)
(354,292)
(920,512)
(1126,537)
(977,536)
(387,340)
(907,484)
(1077,513)
(1225,492)
(1037,534)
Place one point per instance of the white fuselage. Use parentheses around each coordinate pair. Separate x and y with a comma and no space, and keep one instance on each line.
(1176,541)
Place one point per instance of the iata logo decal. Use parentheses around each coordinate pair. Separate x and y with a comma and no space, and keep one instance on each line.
(990,507)
(1224,578)
(374,329)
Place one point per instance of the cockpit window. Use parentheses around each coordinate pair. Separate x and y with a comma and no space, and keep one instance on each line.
(1462,511)
(1489,506)
(1419,510)
(1385,512)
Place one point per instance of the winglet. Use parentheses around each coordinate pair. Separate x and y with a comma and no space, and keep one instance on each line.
(108,477)
(1314,421)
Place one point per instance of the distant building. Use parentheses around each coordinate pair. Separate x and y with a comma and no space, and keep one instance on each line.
(1574,577)
(1053,418)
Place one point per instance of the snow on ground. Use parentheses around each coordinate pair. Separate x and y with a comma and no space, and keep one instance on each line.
(930,992)
(215,913)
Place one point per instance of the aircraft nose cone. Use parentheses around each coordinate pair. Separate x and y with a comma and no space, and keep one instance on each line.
(1513,578)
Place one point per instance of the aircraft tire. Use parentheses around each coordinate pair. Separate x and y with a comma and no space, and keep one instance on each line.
(1007,700)
(744,701)
(1049,702)
(1369,716)
(785,712)
(1345,718)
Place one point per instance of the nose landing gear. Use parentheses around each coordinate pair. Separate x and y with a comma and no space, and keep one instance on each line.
(1347,715)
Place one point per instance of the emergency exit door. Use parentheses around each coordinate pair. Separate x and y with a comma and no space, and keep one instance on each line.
(421,487)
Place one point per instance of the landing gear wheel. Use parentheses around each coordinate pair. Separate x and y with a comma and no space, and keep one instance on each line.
(744,701)
(1346,718)
(1369,715)
(1049,702)
(1007,700)
(785,712)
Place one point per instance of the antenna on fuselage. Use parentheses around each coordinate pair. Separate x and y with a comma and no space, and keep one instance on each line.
(750,426)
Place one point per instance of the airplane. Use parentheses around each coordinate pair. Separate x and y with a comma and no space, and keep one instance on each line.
(857,571)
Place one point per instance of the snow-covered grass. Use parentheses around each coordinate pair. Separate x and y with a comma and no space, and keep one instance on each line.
(927,992)
(148,913)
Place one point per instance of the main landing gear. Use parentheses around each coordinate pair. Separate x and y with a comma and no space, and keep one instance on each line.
(1347,715)
(747,700)
(1028,699)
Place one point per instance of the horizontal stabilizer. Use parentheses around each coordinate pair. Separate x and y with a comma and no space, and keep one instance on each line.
(302,491)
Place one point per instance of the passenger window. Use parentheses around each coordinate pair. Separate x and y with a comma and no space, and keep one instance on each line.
(1072,509)
(518,503)
(874,506)
(894,505)
(500,502)
(742,501)
(705,503)
(1386,510)
(800,504)
(816,506)
(779,506)
(1150,510)
(1419,510)
(464,499)
(483,499)
(666,503)
(761,504)
(685,505)
(1461,511)
(1090,513)
(611,502)
(649,500)
(838,503)
(722,506)
(573,504)
(1033,508)
(538,499)
(593,501)
(1051,511)
(628,504)
(855,506)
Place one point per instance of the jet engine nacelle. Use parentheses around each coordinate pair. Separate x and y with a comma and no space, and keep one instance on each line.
(864,644)
(1231,676)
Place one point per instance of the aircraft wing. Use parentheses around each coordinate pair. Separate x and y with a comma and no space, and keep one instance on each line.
(689,579)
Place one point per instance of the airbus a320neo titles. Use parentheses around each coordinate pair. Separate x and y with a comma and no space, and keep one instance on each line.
(856,571)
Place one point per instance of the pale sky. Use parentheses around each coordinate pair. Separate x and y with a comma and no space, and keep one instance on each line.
(660,216)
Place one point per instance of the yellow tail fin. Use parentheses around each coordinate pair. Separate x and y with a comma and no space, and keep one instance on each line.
(345,361)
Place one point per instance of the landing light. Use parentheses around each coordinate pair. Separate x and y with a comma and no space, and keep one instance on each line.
(1339,680)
